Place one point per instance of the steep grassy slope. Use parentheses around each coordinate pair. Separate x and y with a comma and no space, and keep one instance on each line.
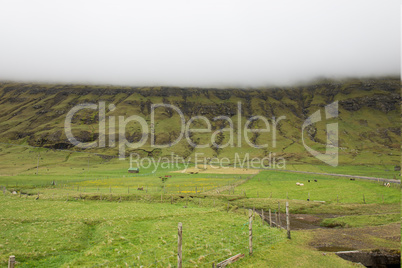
(369,118)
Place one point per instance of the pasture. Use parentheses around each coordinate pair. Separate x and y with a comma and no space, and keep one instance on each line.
(87,210)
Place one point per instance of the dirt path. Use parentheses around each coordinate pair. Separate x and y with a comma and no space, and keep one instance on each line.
(219,170)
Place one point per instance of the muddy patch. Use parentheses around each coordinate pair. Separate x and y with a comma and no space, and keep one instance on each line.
(299,221)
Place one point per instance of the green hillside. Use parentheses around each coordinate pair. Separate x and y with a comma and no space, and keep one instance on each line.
(369,118)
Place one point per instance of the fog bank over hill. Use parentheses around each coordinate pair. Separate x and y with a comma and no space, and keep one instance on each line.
(203,44)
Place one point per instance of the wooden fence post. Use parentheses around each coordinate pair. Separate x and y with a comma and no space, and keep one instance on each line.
(276,219)
(250,232)
(262,216)
(364,199)
(179,245)
(279,215)
(270,218)
(11,261)
(287,220)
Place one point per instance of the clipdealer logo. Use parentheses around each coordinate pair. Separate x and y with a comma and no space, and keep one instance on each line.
(186,130)
(330,156)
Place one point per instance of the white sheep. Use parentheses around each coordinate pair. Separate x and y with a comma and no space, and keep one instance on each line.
(298,183)
(301,184)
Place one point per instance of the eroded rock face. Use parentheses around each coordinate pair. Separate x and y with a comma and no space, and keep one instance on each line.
(383,103)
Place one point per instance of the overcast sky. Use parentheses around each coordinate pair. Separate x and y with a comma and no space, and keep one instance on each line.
(197,43)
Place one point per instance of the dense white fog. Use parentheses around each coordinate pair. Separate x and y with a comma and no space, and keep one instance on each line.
(197,43)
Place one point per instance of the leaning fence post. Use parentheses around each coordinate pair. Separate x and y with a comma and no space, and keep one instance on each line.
(250,232)
(179,247)
(287,220)
(11,261)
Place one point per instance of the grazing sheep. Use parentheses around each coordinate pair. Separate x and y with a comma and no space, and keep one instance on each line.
(298,183)
(315,180)
(140,189)
(388,185)
(308,180)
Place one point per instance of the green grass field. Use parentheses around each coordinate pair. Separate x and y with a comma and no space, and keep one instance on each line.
(282,185)
(97,234)
(94,216)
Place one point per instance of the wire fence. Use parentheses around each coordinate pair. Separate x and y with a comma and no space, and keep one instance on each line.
(198,250)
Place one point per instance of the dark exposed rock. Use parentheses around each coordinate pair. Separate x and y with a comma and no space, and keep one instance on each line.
(384,103)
